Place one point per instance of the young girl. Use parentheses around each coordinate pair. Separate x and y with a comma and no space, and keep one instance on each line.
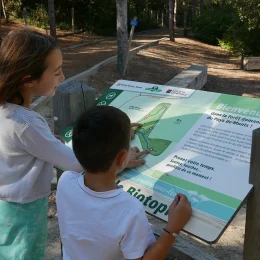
(30,65)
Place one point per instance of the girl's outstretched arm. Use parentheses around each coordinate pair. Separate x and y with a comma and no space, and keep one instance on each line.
(38,140)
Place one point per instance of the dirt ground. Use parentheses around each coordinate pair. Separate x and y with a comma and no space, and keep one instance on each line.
(65,38)
(161,63)
(158,65)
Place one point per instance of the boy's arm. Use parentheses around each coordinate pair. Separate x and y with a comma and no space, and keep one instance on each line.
(179,214)
(160,249)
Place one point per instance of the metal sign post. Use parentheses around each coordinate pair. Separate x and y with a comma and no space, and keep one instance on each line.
(134,23)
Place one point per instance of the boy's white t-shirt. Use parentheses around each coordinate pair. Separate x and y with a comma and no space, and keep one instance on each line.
(108,225)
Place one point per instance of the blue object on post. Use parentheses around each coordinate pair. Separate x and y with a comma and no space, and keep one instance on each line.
(134,22)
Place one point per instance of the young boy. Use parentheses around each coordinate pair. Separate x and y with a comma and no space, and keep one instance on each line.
(97,219)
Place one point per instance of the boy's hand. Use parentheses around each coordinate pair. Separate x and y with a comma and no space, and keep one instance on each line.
(133,130)
(179,213)
(135,159)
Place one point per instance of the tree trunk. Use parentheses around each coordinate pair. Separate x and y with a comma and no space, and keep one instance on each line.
(122,34)
(72,19)
(201,7)
(4,11)
(175,13)
(166,21)
(162,17)
(52,18)
(0,17)
(194,7)
(171,24)
(185,17)
(25,16)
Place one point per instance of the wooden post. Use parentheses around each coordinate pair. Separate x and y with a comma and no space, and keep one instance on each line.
(70,101)
(72,19)
(252,229)
(129,45)
(52,18)
(122,34)
(25,16)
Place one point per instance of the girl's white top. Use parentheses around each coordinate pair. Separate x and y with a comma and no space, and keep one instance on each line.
(28,151)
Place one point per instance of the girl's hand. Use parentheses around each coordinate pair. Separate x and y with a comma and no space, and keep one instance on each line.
(60,138)
(135,159)
(133,130)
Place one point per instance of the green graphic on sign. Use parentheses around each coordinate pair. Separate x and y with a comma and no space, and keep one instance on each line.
(154,89)
(149,121)
(67,134)
(108,97)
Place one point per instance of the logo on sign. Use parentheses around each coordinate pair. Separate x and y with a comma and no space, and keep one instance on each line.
(111,95)
(69,134)
(169,91)
(179,92)
(102,103)
(154,89)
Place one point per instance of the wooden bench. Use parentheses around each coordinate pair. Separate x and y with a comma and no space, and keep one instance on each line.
(251,63)
(194,77)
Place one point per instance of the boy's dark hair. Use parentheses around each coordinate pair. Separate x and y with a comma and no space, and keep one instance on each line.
(99,135)
(22,53)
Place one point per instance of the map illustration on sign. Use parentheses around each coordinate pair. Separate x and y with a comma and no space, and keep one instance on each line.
(200,145)
(149,121)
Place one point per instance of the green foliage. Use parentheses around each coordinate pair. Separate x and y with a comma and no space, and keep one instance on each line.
(234,26)
(147,24)
(64,26)
(98,16)
(248,11)
(213,23)
(242,41)
(38,16)
(13,8)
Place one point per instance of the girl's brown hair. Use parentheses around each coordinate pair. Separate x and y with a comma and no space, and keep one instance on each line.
(22,59)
